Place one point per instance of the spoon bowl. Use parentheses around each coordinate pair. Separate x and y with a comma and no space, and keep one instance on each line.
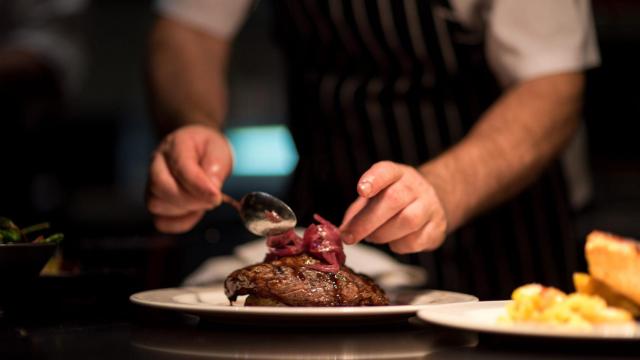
(263,214)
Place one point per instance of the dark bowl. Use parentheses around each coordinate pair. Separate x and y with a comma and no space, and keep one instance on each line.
(20,266)
(23,262)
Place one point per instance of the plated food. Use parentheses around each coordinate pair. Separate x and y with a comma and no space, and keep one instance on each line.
(10,233)
(614,263)
(24,252)
(539,304)
(609,294)
(304,271)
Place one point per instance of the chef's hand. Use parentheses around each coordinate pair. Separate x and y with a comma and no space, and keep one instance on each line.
(397,206)
(186,175)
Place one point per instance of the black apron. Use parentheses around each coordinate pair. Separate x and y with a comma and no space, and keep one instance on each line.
(402,81)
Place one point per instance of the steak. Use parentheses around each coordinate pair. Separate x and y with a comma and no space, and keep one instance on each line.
(290,281)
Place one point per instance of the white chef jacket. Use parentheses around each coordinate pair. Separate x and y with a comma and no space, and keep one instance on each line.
(524,39)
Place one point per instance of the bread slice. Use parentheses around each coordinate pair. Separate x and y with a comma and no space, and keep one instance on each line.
(586,284)
(615,261)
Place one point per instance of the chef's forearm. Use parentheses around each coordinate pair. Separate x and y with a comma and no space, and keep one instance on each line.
(186,78)
(509,146)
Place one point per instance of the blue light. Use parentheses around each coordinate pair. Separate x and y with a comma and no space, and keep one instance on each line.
(262,150)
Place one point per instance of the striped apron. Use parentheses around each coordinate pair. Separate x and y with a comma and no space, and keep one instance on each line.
(402,81)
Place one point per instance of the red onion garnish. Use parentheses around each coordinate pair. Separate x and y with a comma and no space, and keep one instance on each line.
(333,267)
(322,241)
(285,244)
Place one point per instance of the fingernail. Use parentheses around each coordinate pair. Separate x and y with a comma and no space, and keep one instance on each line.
(214,174)
(213,169)
(365,187)
(347,238)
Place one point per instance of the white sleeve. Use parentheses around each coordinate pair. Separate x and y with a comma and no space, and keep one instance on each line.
(221,18)
(527,39)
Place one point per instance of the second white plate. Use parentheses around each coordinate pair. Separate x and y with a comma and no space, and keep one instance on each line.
(483,317)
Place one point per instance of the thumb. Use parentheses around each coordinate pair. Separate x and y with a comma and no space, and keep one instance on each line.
(353,209)
(217,161)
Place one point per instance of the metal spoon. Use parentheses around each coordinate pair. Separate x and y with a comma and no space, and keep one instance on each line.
(263,214)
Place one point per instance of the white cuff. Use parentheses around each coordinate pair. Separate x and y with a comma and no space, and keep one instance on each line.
(220,18)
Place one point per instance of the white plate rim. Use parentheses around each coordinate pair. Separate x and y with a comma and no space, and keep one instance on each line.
(449,315)
(168,303)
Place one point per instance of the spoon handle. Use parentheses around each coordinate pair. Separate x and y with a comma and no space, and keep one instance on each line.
(231,201)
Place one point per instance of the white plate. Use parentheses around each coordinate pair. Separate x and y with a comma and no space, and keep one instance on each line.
(483,317)
(211,302)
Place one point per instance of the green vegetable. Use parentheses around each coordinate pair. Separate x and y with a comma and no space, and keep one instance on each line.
(54,239)
(10,236)
(10,233)
(7,224)
(34,228)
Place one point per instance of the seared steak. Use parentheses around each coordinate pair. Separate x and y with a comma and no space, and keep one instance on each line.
(289,281)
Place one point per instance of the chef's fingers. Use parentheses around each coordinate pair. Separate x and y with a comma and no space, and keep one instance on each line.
(378,177)
(410,219)
(184,164)
(426,239)
(378,210)
(216,163)
(177,224)
(162,188)
(353,209)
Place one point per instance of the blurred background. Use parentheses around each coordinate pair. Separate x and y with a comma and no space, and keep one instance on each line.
(85,137)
